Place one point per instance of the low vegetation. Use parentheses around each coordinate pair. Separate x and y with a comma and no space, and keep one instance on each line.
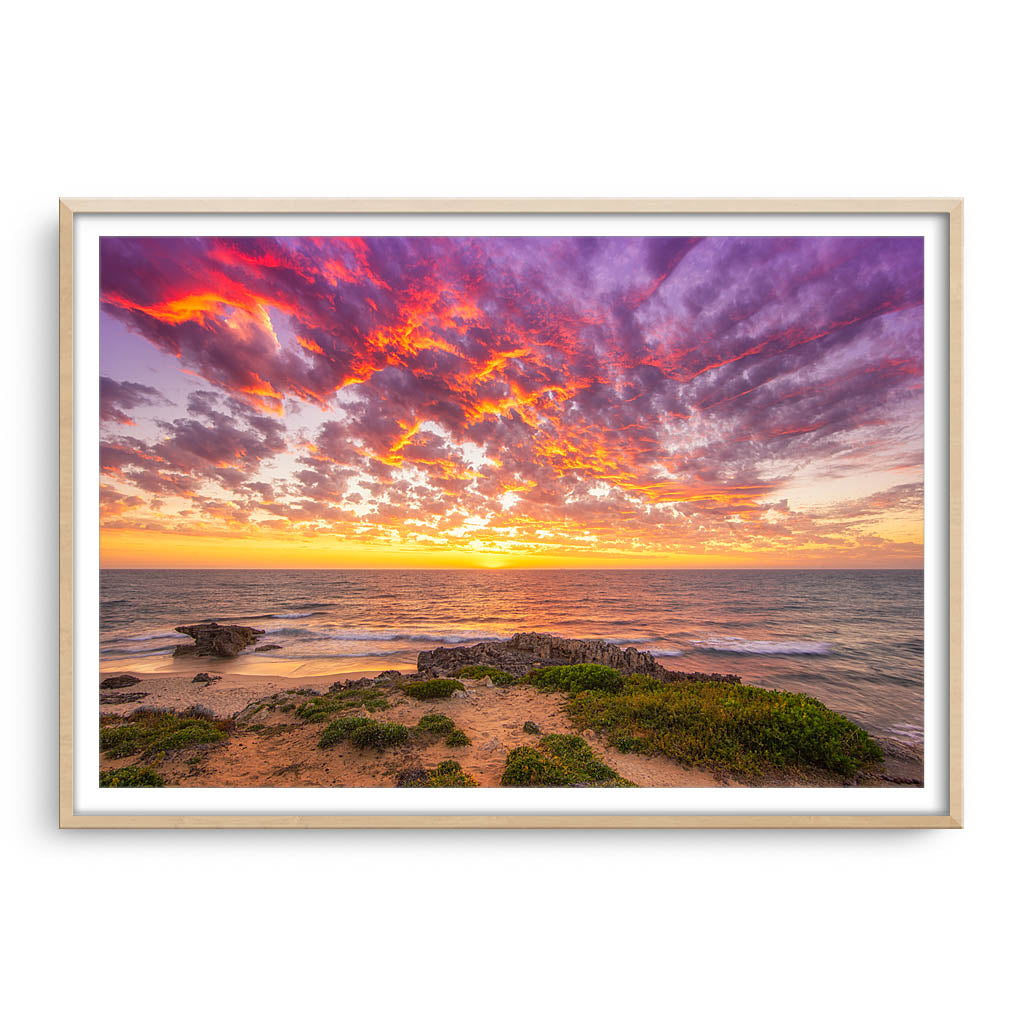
(447,775)
(442,725)
(497,675)
(132,775)
(364,733)
(428,689)
(532,728)
(559,760)
(150,732)
(379,735)
(319,709)
(575,678)
(724,725)
(339,730)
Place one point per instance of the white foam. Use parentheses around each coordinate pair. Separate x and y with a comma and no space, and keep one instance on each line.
(738,645)
(441,638)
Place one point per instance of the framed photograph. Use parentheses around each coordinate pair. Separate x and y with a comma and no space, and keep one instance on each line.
(510,513)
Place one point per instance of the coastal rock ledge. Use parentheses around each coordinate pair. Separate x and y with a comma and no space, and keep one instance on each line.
(526,651)
(214,640)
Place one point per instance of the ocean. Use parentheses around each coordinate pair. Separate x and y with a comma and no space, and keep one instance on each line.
(853,639)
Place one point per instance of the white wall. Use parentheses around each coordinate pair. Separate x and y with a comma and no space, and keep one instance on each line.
(527,99)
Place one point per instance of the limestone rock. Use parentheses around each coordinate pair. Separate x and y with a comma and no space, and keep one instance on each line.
(132,697)
(214,640)
(526,651)
(352,684)
(117,682)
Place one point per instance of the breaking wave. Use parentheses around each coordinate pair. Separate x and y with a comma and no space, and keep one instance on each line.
(737,645)
(383,636)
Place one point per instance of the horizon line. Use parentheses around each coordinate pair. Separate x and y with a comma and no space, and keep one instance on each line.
(514,568)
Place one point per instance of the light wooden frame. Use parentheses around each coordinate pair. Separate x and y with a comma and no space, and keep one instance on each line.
(951,208)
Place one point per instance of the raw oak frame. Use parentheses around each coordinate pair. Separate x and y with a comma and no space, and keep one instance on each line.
(950,207)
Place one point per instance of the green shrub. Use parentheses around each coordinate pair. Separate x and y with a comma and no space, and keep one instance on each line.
(559,760)
(573,753)
(148,732)
(364,733)
(440,724)
(527,766)
(576,678)
(632,745)
(340,729)
(121,740)
(191,735)
(132,775)
(379,735)
(457,738)
(319,709)
(447,775)
(532,728)
(726,725)
(426,689)
(498,676)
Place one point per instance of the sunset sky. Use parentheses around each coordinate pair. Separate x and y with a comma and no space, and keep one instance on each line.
(585,401)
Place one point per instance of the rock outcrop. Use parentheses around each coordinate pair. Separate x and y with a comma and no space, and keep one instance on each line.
(526,651)
(132,697)
(259,708)
(214,640)
(351,684)
(268,647)
(118,682)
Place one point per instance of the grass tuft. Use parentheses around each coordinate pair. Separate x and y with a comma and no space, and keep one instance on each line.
(532,728)
(457,738)
(319,709)
(559,760)
(498,676)
(427,689)
(447,775)
(442,725)
(340,729)
(200,711)
(378,735)
(132,775)
(365,733)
